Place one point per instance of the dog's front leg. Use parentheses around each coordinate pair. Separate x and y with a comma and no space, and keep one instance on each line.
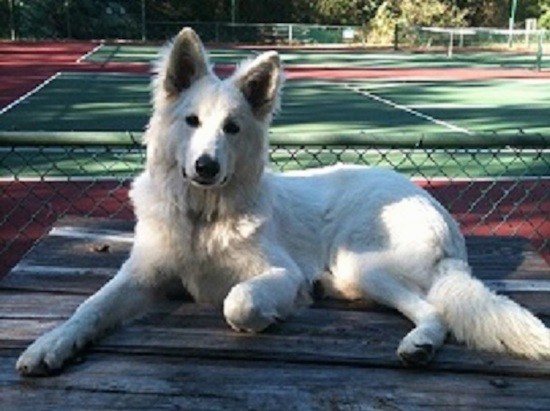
(122,298)
(253,305)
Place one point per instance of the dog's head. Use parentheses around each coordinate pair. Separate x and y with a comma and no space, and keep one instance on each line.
(213,129)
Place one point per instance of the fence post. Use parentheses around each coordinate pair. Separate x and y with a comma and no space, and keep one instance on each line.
(143,22)
(68,17)
(12,19)
(539,51)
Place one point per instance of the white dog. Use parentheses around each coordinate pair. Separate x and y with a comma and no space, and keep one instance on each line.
(255,242)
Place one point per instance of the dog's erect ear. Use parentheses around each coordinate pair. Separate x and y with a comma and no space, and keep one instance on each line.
(260,81)
(187,62)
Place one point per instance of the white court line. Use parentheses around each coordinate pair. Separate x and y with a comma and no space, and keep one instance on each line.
(407,109)
(88,54)
(449,106)
(30,93)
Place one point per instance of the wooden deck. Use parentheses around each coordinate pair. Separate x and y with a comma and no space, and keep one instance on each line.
(184,357)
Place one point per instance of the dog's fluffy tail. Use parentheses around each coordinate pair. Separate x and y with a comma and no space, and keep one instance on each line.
(484,320)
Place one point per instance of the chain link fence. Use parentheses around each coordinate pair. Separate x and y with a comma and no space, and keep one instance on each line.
(470,38)
(478,45)
(500,189)
(147,21)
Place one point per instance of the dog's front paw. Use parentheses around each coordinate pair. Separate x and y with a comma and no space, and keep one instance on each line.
(247,309)
(49,352)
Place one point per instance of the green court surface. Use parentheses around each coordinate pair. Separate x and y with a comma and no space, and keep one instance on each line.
(99,103)
(340,58)
(119,102)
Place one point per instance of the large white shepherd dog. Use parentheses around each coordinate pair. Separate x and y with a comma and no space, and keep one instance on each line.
(255,242)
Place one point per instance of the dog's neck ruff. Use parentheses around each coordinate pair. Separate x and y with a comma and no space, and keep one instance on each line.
(208,205)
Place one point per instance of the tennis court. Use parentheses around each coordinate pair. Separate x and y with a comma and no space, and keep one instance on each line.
(70,143)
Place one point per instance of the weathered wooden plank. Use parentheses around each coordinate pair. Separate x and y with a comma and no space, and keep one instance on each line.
(42,305)
(77,252)
(147,383)
(94,234)
(46,306)
(16,305)
(56,261)
(97,223)
(83,240)
(316,335)
(352,334)
(85,285)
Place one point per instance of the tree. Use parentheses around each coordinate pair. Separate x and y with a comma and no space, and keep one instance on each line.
(436,13)
(544,19)
(346,12)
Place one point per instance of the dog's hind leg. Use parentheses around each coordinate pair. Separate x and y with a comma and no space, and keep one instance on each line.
(363,278)
(122,298)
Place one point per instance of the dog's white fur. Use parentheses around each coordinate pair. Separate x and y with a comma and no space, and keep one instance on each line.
(255,242)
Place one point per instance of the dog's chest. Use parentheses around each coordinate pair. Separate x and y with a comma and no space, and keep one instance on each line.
(216,256)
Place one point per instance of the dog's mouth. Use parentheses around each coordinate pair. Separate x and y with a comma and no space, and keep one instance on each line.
(206,183)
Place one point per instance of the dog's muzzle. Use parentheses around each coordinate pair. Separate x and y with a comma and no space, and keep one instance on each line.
(207,168)
(206,172)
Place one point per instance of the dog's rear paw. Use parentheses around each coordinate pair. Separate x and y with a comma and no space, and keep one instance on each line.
(419,355)
(49,353)
(420,345)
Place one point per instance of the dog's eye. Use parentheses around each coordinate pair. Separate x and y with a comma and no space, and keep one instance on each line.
(230,127)
(193,121)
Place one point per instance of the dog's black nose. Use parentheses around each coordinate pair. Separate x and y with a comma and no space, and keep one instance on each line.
(207,167)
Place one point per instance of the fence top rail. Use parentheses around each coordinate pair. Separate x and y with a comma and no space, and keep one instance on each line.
(395,140)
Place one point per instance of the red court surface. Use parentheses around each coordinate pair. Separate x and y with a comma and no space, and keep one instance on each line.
(24,66)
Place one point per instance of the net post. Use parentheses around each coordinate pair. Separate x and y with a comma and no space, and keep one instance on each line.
(513,8)
(538,64)
(451,41)
(396,37)
(290,34)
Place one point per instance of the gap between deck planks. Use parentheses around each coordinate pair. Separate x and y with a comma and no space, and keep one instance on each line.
(334,356)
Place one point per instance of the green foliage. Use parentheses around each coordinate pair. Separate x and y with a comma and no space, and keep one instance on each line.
(437,13)
(122,18)
(544,19)
(76,19)
(4,18)
(41,19)
(346,12)
(486,13)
